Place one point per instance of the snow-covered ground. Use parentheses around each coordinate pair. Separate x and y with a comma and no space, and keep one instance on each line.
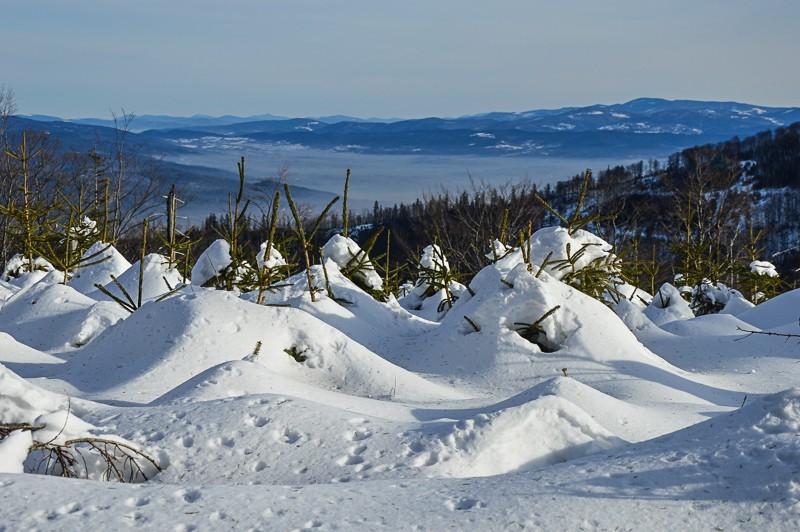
(350,413)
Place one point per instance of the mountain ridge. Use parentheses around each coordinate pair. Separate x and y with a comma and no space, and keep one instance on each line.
(640,128)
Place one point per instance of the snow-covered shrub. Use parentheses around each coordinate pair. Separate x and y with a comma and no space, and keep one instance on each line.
(40,434)
(216,268)
(707,297)
(579,259)
(99,263)
(435,283)
(668,305)
(354,263)
(761,281)
(18,265)
(150,279)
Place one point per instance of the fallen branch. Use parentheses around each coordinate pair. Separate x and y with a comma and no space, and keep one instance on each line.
(766,333)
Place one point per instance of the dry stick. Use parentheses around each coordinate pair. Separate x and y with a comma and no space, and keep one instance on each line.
(766,333)
(141,262)
(172,213)
(325,273)
(474,326)
(273,224)
(303,241)
(344,203)
(386,271)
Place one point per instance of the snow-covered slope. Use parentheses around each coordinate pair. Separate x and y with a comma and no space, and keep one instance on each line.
(526,404)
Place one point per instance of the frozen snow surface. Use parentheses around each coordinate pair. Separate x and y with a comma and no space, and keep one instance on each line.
(523,403)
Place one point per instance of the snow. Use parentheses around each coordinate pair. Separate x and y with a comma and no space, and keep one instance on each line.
(102,262)
(211,262)
(273,260)
(346,252)
(762,267)
(353,413)
(14,451)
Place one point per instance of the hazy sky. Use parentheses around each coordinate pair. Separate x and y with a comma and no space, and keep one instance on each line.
(408,58)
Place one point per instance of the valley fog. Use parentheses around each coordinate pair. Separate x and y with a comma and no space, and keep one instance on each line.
(388,178)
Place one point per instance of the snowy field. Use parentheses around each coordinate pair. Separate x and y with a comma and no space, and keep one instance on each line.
(354,414)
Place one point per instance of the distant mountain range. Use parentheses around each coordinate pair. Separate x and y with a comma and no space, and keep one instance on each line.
(641,128)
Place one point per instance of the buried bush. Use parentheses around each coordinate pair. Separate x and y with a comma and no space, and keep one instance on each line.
(61,446)
(534,332)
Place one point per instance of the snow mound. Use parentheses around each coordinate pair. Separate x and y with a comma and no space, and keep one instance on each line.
(707,325)
(211,262)
(668,305)
(6,291)
(544,431)
(749,454)
(23,402)
(780,310)
(158,279)
(354,312)
(113,263)
(190,333)
(502,311)
(557,240)
(14,352)
(343,251)
(628,421)
(53,317)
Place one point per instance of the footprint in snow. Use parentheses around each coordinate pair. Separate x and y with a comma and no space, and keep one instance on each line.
(255,421)
(426,459)
(361,433)
(190,496)
(137,501)
(463,503)
(289,436)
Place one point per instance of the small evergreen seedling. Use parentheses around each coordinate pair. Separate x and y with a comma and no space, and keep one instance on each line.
(534,333)
(296,354)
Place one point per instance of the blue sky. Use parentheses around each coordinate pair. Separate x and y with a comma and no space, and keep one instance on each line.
(391,59)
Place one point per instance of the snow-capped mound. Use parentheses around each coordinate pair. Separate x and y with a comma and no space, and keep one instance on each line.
(239,378)
(565,318)
(354,312)
(668,305)
(544,431)
(211,262)
(6,291)
(190,333)
(158,279)
(780,310)
(345,252)
(629,422)
(557,240)
(750,454)
(113,263)
(707,325)
(18,267)
(510,336)
(54,317)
